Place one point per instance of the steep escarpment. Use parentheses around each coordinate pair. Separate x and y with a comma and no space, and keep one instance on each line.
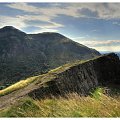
(24,55)
(80,77)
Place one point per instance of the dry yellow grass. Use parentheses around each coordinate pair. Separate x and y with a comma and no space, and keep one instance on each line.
(17,86)
(72,106)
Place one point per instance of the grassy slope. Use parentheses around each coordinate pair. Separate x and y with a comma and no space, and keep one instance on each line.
(97,105)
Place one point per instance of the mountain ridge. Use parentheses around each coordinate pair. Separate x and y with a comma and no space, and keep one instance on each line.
(23,55)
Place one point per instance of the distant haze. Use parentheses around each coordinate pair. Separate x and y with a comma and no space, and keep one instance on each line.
(105,52)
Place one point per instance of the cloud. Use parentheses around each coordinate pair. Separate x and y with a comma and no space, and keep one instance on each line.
(43,30)
(108,48)
(104,45)
(31,15)
(90,10)
(88,13)
(12,21)
(27,20)
(100,45)
(47,11)
(78,38)
(23,7)
(99,10)
(44,19)
(116,23)
(42,24)
(94,43)
(22,22)
(54,10)
(94,30)
(35,30)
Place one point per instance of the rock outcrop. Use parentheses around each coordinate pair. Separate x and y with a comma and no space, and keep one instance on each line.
(81,78)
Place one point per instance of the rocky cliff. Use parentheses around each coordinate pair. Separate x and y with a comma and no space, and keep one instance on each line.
(83,77)
(78,77)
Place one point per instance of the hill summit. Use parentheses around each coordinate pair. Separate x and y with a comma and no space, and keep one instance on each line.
(23,55)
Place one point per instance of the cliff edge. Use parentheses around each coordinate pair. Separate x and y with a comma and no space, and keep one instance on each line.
(80,77)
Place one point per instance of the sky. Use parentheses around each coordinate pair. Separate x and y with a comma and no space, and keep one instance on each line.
(96,25)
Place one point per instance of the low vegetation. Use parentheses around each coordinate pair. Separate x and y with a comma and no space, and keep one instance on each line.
(73,105)
(17,86)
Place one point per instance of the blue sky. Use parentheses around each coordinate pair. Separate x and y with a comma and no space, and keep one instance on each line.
(96,25)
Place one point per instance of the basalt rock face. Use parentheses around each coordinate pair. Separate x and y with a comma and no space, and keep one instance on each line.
(23,55)
(81,78)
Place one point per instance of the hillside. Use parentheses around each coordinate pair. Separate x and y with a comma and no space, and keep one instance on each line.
(73,105)
(80,77)
(24,55)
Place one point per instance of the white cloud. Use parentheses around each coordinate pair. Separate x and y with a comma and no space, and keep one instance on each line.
(12,21)
(20,21)
(49,23)
(47,14)
(47,11)
(108,48)
(103,10)
(24,7)
(104,45)
(93,43)
(116,23)
(52,25)
(44,30)
(100,45)
(78,38)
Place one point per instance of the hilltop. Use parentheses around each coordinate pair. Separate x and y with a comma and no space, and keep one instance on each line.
(25,55)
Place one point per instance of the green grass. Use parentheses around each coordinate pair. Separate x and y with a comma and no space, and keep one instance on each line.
(71,106)
(97,93)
